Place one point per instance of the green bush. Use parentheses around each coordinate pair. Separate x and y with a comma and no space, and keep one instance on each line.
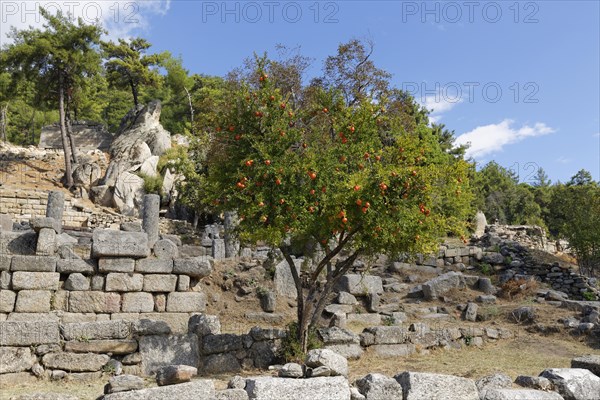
(152,184)
(589,296)
(291,347)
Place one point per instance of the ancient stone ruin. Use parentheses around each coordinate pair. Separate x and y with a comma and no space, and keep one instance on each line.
(86,135)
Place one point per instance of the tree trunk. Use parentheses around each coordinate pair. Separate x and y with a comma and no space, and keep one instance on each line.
(70,131)
(191,110)
(134,92)
(3,122)
(63,131)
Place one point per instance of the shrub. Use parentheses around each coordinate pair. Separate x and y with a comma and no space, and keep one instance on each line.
(152,184)
(589,295)
(291,347)
(519,288)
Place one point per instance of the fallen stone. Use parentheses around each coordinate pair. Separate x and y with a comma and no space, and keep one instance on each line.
(361,285)
(379,387)
(495,381)
(111,243)
(75,362)
(471,312)
(198,389)
(351,351)
(291,370)
(231,394)
(534,382)
(523,314)
(39,223)
(419,386)
(174,374)
(438,286)
(346,298)
(336,335)
(268,388)
(590,362)
(520,394)
(573,383)
(123,383)
(327,358)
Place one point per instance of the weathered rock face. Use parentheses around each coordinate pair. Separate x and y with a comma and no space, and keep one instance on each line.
(198,389)
(379,387)
(418,386)
(267,388)
(140,140)
(574,383)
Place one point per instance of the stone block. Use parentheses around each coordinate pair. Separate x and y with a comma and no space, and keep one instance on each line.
(16,359)
(198,389)
(7,301)
(22,280)
(33,301)
(111,243)
(160,283)
(165,250)
(268,388)
(361,285)
(137,302)
(186,302)
(77,282)
(74,265)
(106,265)
(419,386)
(183,283)
(122,346)
(96,330)
(121,282)
(159,351)
(197,267)
(29,333)
(75,362)
(153,266)
(94,302)
(46,243)
(33,263)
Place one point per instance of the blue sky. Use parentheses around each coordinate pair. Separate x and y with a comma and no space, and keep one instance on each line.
(455,57)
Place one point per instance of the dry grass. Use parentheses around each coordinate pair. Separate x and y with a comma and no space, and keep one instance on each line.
(85,391)
(524,355)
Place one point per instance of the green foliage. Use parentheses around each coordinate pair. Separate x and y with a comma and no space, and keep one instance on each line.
(152,184)
(291,347)
(589,296)
(575,215)
(486,269)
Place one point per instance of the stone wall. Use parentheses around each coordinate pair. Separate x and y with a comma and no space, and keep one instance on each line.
(23,205)
(87,136)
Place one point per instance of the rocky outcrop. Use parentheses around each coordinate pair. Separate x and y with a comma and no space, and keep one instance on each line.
(139,143)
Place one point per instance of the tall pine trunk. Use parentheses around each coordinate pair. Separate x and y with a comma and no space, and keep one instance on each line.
(3,122)
(63,130)
(70,131)
(134,92)
(191,110)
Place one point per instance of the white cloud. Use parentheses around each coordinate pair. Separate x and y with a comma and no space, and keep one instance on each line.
(563,160)
(439,104)
(492,138)
(121,18)
(596,134)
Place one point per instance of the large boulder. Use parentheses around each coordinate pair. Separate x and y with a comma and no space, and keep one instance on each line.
(361,285)
(574,383)
(520,394)
(336,363)
(419,386)
(198,389)
(267,388)
(379,387)
(590,362)
(440,285)
(141,139)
